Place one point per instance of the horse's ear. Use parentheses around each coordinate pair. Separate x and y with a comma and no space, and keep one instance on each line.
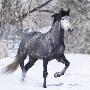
(54,15)
(69,10)
(61,10)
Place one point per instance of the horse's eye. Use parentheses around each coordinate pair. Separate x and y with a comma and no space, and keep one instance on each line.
(62,18)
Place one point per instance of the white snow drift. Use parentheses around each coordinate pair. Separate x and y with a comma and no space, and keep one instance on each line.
(77,77)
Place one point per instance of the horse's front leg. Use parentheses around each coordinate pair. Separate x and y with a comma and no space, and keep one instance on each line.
(63,60)
(45,73)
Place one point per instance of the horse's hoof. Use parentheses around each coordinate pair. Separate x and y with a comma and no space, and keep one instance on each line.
(58,74)
(23,76)
(22,79)
(44,86)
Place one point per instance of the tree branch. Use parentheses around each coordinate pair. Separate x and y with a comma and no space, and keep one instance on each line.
(35,9)
(46,11)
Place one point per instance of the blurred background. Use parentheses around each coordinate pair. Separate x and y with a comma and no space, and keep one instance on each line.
(16,20)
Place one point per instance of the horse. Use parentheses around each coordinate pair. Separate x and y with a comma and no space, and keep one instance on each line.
(48,46)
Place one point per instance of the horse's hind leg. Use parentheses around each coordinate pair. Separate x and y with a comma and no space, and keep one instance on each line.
(63,60)
(29,65)
(22,66)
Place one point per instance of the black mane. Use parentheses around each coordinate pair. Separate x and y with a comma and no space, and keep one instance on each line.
(58,16)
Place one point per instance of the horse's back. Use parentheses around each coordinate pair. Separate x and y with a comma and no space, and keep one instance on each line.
(30,42)
(31,34)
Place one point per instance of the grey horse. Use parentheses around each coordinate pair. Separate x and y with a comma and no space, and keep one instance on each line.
(46,46)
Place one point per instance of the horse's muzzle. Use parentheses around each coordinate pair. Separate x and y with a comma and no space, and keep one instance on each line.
(70,30)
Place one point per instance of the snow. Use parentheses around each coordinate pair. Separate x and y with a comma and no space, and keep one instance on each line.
(45,29)
(77,76)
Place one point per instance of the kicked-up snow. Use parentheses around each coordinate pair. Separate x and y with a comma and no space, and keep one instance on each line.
(77,77)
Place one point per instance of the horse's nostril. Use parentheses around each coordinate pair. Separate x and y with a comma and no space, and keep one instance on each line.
(70,30)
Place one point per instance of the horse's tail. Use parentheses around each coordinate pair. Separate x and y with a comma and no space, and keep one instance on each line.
(14,65)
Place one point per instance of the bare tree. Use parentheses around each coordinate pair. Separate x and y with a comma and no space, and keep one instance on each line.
(11,13)
(17,16)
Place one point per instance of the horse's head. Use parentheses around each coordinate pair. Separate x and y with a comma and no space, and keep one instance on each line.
(64,18)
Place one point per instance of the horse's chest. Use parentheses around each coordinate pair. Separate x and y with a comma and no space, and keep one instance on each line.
(61,49)
(56,51)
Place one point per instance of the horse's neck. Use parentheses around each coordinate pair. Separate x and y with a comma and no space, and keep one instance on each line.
(57,33)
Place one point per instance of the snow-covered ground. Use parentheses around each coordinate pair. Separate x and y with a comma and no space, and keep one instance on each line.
(77,77)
